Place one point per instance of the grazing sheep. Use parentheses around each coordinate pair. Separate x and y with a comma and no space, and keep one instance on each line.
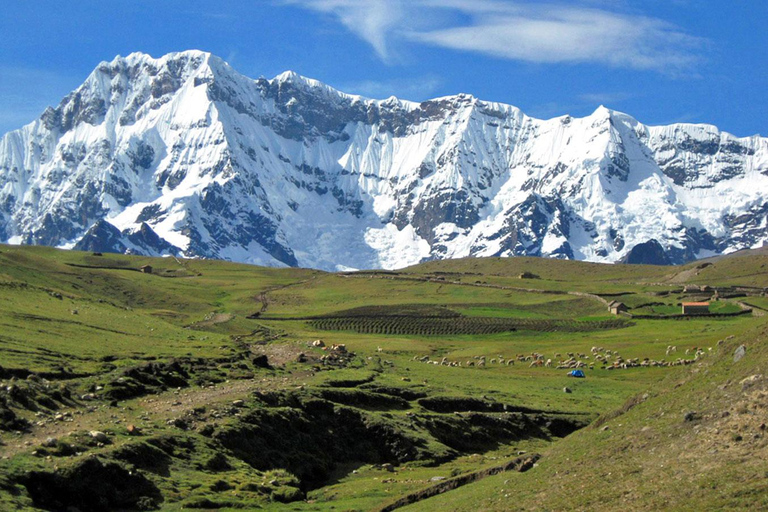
(510,362)
(548,364)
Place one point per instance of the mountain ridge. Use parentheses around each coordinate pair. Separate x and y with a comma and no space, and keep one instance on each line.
(189,157)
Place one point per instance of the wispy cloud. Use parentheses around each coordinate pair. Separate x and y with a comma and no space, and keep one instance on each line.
(414,89)
(372,20)
(524,30)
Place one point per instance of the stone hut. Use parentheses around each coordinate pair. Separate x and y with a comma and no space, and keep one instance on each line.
(695,308)
(147,269)
(617,307)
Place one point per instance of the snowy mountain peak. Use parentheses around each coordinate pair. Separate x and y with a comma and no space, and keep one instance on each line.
(183,155)
(292,77)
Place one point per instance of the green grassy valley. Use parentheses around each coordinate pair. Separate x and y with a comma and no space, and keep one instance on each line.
(207,385)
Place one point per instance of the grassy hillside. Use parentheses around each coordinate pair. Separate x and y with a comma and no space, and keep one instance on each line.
(694,441)
(213,385)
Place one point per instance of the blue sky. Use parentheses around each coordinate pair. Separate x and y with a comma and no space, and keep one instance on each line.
(662,61)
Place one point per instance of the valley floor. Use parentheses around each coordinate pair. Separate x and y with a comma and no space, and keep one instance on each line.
(209,385)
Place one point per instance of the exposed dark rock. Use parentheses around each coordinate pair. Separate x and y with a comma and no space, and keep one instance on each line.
(142,157)
(101,237)
(146,238)
(647,253)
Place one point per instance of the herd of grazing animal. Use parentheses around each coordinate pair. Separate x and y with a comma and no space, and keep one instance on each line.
(604,358)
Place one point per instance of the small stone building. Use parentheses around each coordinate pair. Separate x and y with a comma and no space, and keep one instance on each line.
(617,307)
(695,308)
(147,269)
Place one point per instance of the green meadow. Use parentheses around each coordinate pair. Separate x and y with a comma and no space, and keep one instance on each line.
(228,387)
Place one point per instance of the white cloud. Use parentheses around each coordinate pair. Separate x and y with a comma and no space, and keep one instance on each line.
(519,30)
(371,20)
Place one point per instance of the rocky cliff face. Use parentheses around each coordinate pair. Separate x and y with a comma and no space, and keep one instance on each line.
(183,155)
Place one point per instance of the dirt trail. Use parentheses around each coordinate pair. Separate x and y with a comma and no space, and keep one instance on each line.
(442,282)
(263,296)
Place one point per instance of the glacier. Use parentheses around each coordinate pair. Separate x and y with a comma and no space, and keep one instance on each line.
(183,155)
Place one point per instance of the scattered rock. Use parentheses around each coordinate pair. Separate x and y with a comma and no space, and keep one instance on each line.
(98,436)
(690,416)
(318,343)
(436,478)
(133,430)
(180,423)
(567,390)
(50,442)
(739,353)
(751,380)
(238,403)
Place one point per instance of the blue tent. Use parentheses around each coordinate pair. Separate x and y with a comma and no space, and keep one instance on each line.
(576,373)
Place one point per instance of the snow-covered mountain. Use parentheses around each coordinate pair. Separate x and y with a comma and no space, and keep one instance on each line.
(183,155)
